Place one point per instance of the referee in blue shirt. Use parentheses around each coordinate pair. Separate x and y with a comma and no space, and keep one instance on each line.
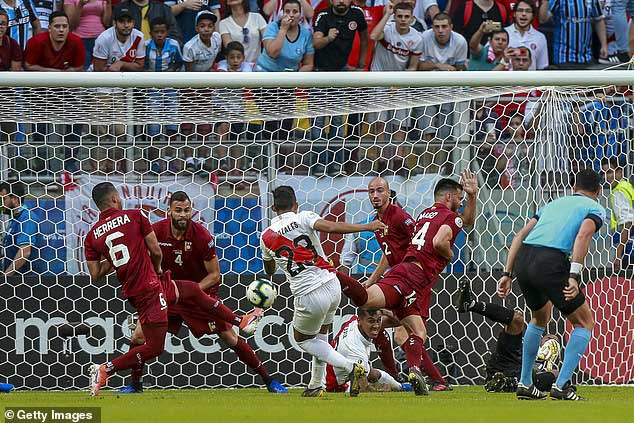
(538,257)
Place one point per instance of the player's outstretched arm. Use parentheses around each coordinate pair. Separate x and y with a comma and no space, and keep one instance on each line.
(381,267)
(151,242)
(213,274)
(99,269)
(579,252)
(323,225)
(504,284)
(469,182)
(442,242)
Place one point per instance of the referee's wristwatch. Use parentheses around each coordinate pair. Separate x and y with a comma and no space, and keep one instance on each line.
(507,274)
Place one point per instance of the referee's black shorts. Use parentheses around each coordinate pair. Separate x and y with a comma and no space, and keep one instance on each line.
(542,273)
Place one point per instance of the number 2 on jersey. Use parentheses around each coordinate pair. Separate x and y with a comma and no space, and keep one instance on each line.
(419,238)
(287,252)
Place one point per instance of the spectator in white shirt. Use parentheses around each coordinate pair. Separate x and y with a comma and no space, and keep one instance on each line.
(243,26)
(443,50)
(200,52)
(522,33)
(398,47)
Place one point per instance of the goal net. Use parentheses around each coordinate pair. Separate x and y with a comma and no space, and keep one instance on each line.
(228,142)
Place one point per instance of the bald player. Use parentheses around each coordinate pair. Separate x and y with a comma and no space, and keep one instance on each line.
(405,289)
(394,243)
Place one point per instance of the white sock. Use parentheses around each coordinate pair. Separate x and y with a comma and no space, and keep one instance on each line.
(318,368)
(386,379)
(323,351)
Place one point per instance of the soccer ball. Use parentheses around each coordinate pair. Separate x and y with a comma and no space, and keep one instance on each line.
(261,293)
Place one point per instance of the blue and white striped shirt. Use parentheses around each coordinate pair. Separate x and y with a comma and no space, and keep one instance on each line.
(169,56)
(573,20)
(20,18)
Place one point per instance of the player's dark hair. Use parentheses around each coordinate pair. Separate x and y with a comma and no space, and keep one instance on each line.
(445,185)
(234,46)
(588,180)
(101,191)
(442,16)
(58,14)
(284,198)
(159,20)
(15,189)
(371,312)
(179,196)
(403,6)
(529,3)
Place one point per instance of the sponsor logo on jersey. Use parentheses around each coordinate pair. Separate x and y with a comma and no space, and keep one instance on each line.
(352,25)
(458,221)
(165,244)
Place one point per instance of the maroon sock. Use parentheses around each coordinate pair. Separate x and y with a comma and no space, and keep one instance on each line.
(246,354)
(353,289)
(386,353)
(413,347)
(154,344)
(190,292)
(137,372)
(430,369)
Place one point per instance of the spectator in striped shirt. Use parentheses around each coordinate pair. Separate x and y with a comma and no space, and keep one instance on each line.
(162,54)
(572,21)
(23,20)
(10,51)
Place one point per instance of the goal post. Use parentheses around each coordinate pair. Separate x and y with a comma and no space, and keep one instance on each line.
(229,139)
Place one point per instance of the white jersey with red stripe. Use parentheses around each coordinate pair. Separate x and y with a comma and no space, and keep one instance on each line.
(294,244)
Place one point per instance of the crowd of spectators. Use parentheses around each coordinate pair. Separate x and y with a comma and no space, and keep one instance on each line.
(327,35)
(316,35)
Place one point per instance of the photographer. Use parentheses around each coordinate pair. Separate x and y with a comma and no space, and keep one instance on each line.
(491,55)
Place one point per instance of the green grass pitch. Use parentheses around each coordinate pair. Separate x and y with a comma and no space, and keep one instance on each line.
(465,405)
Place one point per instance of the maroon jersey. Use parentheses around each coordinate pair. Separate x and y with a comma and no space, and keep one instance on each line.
(186,257)
(396,239)
(119,237)
(422,248)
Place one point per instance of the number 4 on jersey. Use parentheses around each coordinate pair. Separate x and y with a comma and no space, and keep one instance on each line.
(419,238)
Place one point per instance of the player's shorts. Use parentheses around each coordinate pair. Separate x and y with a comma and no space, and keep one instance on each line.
(198,322)
(316,308)
(152,305)
(399,293)
(542,274)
